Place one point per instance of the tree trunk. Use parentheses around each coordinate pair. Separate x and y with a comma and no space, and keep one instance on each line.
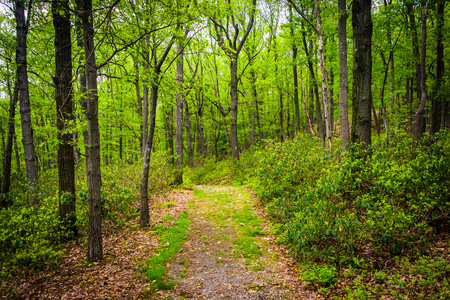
(190,150)
(145,97)
(179,117)
(326,109)
(418,128)
(64,115)
(94,179)
(144,209)
(24,99)
(362,71)
(437,105)
(234,106)
(295,73)
(4,200)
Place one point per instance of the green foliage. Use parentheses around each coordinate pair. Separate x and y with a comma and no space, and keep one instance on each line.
(320,275)
(390,196)
(170,243)
(28,236)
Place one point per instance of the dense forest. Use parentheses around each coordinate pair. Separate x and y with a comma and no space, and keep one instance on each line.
(335,113)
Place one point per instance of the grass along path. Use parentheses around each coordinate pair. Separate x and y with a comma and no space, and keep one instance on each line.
(230,253)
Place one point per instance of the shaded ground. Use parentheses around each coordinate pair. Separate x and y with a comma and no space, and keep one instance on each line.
(115,277)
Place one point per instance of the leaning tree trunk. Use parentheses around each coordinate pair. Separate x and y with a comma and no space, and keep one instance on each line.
(64,115)
(418,117)
(362,71)
(295,73)
(24,99)
(95,244)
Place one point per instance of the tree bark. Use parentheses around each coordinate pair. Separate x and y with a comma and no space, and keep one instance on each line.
(144,209)
(24,99)
(6,183)
(64,115)
(437,104)
(234,106)
(295,73)
(94,179)
(418,128)
(326,109)
(362,71)
(179,117)
(343,75)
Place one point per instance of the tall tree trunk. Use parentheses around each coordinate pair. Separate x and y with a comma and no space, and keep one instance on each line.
(307,117)
(437,105)
(24,99)
(144,209)
(362,71)
(6,183)
(94,179)
(64,115)
(179,117)
(415,47)
(145,96)
(190,149)
(418,128)
(295,73)
(326,109)
(234,106)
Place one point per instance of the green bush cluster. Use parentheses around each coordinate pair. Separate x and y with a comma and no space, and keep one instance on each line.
(28,236)
(389,196)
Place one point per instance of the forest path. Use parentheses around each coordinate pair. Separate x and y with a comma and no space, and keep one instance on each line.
(230,253)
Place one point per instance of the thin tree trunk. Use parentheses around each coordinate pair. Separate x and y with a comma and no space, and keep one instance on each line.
(145,96)
(95,243)
(295,73)
(24,99)
(326,109)
(362,71)
(64,115)
(437,105)
(418,117)
(190,150)
(234,106)
(307,117)
(144,209)
(179,117)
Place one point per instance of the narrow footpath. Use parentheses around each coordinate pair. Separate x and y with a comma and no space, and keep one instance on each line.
(230,253)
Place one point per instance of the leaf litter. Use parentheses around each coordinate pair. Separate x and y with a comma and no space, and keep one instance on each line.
(211,264)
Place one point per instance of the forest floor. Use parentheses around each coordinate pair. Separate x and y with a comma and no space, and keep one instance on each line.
(229,254)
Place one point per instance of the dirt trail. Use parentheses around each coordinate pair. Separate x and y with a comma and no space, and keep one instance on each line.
(230,254)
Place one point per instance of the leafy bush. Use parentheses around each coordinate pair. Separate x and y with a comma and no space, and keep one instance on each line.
(390,196)
(28,236)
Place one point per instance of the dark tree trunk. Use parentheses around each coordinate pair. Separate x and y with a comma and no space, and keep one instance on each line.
(234,106)
(362,71)
(64,115)
(418,127)
(144,209)
(4,200)
(145,97)
(24,99)
(179,118)
(94,179)
(437,104)
(343,75)
(415,45)
(295,73)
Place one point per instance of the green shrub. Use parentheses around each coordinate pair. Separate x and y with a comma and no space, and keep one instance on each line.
(390,196)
